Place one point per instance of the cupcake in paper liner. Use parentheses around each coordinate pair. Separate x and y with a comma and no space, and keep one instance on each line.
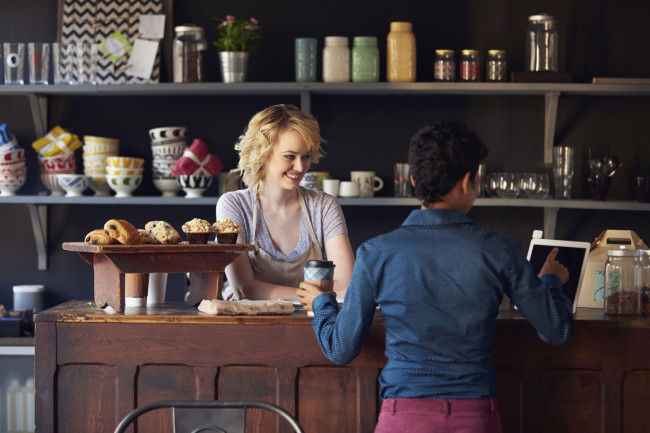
(197,231)
(226,230)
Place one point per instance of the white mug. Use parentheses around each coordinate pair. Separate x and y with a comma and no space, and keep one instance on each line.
(331,186)
(368,182)
(348,188)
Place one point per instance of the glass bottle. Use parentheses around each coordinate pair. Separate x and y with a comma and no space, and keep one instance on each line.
(336,60)
(470,67)
(621,295)
(365,59)
(400,53)
(189,54)
(444,66)
(541,43)
(496,69)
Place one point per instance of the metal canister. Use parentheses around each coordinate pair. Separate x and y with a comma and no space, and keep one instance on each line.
(496,69)
(470,66)
(444,66)
(189,54)
(541,43)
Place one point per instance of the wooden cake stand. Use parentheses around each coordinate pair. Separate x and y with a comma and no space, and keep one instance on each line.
(206,262)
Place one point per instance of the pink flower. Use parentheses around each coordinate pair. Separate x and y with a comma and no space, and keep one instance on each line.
(230,17)
(254,21)
(223,24)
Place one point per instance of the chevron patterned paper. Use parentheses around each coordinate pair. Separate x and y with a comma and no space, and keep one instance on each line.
(91,21)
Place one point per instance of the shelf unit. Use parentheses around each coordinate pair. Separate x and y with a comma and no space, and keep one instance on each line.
(38,98)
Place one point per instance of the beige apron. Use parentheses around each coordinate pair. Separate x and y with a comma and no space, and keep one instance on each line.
(278,271)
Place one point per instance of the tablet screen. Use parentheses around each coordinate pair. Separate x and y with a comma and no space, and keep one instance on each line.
(573,258)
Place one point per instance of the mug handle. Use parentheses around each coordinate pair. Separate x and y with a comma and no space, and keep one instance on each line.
(379,184)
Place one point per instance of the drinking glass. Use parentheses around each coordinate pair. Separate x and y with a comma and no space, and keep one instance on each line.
(63,63)
(38,55)
(534,185)
(86,63)
(563,171)
(402,180)
(14,60)
(507,186)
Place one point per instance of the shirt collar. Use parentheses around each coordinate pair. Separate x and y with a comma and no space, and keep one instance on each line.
(432,217)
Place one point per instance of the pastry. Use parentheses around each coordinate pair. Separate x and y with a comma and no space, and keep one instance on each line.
(99,237)
(146,238)
(123,231)
(227,231)
(197,231)
(163,232)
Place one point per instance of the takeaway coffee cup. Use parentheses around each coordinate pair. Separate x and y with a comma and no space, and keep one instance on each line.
(136,287)
(320,273)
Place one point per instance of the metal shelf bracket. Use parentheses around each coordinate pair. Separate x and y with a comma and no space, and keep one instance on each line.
(38,214)
(550,117)
(38,104)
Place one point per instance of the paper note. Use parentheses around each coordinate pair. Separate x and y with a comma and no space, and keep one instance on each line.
(143,56)
(152,26)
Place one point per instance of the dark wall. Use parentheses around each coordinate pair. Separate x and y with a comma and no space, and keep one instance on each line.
(597,38)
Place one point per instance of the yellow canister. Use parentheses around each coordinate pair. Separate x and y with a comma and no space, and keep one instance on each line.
(400,53)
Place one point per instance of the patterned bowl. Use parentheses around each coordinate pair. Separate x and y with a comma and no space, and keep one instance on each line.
(167,132)
(168,185)
(74,184)
(10,184)
(123,185)
(57,164)
(51,181)
(124,162)
(194,186)
(99,184)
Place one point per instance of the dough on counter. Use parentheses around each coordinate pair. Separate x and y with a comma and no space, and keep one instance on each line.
(163,232)
(99,237)
(123,231)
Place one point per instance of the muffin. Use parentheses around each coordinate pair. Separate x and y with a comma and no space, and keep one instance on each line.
(227,231)
(197,231)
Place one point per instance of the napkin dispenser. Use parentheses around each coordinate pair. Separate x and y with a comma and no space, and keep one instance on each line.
(592,290)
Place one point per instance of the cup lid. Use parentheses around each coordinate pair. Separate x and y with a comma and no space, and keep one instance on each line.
(28,288)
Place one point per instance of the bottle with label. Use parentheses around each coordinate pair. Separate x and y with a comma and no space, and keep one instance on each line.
(496,69)
(336,60)
(189,54)
(470,66)
(365,59)
(621,294)
(400,53)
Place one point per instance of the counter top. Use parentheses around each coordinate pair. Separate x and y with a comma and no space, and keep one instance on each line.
(179,312)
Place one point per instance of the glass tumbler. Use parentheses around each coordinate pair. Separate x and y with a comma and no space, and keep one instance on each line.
(14,62)
(507,186)
(38,55)
(563,171)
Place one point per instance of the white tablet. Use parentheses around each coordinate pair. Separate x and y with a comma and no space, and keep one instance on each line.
(572,254)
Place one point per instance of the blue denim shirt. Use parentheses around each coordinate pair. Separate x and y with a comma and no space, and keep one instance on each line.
(439,280)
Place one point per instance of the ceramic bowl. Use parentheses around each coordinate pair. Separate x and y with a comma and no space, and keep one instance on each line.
(51,181)
(10,184)
(168,150)
(163,167)
(13,164)
(123,185)
(99,184)
(194,186)
(12,156)
(13,171)
(74,184)
(167,132)
(168,185)
(124,162)
(95,140)
(58,164)
(119,171)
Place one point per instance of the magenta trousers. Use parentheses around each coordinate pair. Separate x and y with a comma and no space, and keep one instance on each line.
(419,415)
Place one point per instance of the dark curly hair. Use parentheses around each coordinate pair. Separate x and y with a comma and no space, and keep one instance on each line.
(440,155)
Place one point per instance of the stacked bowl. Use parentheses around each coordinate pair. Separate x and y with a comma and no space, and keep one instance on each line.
(124,174)
(167,145)
(95,152)
(13,172)
(52,166)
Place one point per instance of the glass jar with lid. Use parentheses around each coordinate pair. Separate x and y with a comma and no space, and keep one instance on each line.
(621,294)
(444,66)
(400,53)
(542,43)
(495,69)
(336,59)
(643,280)
(470,66)
(365,59)
(189,54)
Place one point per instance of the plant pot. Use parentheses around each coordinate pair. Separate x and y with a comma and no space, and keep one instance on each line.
(233,66)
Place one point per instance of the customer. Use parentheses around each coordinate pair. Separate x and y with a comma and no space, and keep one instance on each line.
(286,223)
(439,280)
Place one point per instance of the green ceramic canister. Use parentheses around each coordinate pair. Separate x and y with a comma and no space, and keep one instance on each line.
(365,59)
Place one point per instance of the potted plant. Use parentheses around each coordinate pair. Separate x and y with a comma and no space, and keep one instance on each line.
(237,39)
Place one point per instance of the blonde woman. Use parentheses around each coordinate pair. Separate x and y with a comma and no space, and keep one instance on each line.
(286,223)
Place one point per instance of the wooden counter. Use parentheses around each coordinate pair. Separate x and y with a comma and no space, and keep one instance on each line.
(92,368)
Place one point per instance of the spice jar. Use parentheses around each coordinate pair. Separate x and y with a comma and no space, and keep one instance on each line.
(365,59)
(189,54)
(470,67)
(336,60)
(444,66)
(541,43)
(621,295)
(643,280)
(400,53)
(495,69)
